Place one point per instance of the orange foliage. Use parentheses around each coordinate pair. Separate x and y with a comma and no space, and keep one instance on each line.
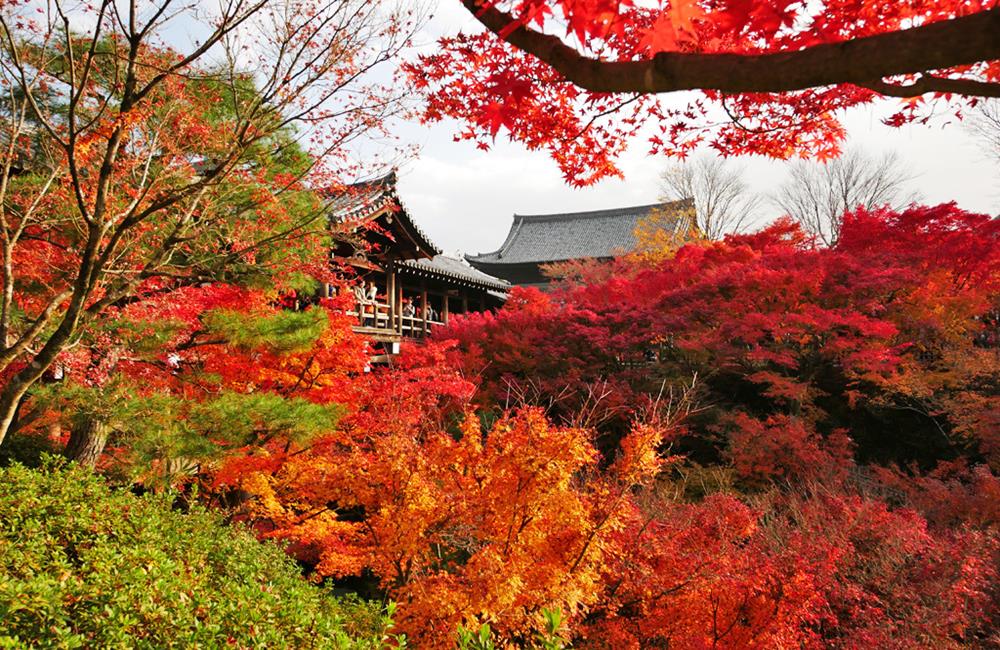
(785,533)
(468,525)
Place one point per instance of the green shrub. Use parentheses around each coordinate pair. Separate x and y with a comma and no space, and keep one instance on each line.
(27,449)
(84,565)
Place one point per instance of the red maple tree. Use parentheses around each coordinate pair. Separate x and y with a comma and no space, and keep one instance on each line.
(579,79)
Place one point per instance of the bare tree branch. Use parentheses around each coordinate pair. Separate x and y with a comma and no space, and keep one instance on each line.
(723,201)
(984,124)
(818,194)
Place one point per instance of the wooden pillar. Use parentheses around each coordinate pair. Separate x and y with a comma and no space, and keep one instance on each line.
(423,304)
(482,301)
(390,292)
(444,308)
(399,307)
(465,301)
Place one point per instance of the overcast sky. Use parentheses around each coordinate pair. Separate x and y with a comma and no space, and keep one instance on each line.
(465,198)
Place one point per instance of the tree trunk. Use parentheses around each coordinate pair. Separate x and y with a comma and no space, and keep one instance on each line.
(22,381)
(87,438)
(10,402)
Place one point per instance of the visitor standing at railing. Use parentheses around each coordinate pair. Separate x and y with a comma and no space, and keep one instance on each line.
(372,298)
(361,298)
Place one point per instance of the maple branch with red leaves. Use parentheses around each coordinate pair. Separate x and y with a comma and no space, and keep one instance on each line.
(959,41)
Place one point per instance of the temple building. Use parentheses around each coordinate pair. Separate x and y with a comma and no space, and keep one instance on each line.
(538,239)
(404,283)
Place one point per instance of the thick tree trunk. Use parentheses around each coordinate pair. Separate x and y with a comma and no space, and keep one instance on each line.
(87,438)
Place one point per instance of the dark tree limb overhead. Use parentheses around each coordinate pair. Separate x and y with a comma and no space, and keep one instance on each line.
(862,61)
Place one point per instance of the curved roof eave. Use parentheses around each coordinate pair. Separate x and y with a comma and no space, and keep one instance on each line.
(368,200)
(436,267)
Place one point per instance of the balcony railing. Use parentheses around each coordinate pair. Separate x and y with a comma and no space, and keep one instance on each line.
(383,323)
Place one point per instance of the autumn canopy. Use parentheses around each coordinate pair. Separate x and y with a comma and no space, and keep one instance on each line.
(580,78)
(745,440)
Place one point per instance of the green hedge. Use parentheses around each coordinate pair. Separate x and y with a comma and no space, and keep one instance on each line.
(83,565)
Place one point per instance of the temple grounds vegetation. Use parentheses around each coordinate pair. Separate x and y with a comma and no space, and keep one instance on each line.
(749,441)
(755,440)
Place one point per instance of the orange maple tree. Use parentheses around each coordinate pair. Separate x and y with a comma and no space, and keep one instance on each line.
(461,521)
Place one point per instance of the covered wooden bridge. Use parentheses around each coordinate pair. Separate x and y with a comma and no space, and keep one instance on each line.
(404,286)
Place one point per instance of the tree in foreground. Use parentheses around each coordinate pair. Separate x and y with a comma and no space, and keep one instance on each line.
(129,169)
(464,522)
(579,79)
(84,565)
(172,384)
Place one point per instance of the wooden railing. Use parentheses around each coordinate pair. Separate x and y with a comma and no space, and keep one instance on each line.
(417,327)
(383,322)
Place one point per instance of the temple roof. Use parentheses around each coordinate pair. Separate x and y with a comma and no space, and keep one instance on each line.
(455,269)
(364,202)
(543,238)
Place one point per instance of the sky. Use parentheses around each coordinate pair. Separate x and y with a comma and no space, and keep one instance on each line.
(465,198)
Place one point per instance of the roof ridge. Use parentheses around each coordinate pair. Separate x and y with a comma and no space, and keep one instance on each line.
(593,214)
(511,237)
(385,181)
(367,199)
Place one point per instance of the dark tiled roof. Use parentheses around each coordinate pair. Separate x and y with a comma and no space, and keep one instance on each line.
(362,201)
(457,269)
(499,295)
(573,235)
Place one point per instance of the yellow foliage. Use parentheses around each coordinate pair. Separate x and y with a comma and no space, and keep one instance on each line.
(662,232)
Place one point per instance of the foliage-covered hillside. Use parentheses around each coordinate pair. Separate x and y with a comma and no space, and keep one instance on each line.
(756,441)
